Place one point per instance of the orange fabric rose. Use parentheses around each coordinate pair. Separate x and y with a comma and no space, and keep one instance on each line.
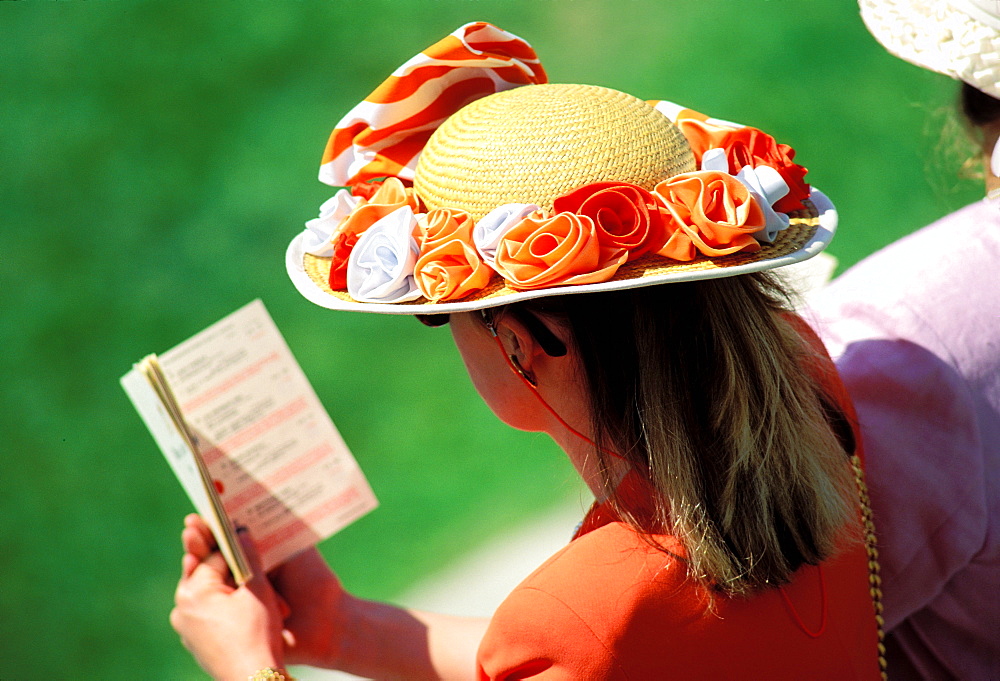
(625,214)
(390,195)
(450,270)
(449,266)
(713,213)
(441,225)
(750,147)
(555,251)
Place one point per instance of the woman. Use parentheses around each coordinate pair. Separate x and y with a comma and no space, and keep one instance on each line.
(916,332)
(605,259)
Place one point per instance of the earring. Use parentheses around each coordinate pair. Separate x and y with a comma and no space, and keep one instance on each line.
(524,374)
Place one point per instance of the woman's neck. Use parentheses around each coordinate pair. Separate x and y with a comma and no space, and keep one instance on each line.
(992,184)
(990,134)
(594,469)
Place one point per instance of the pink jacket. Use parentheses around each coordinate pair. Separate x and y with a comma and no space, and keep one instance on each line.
(915,330)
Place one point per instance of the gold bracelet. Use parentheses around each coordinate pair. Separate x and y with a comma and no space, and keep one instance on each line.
(270,674)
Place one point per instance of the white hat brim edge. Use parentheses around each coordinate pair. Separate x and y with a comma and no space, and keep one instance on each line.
(819,241)
(951,31)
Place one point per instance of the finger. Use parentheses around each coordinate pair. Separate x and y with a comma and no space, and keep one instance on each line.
(188,564)
(283,608)
(214,561)
(194,520)
(206,579)
(196,543)
(196,523)
(211,572)
(258,584)
(251,553)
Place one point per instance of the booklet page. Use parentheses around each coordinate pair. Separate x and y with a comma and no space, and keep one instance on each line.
(274,456)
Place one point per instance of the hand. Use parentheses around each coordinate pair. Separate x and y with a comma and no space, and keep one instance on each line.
(231,631)
(317,610)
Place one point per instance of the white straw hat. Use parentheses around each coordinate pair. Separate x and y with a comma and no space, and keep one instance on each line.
(959,38)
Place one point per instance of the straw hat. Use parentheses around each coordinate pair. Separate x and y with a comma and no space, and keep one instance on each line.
(538,142)
(516,152)
(959,38)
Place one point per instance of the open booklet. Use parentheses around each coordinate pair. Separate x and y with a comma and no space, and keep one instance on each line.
(249,440)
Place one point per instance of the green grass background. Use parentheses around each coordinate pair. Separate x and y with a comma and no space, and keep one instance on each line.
(157,157)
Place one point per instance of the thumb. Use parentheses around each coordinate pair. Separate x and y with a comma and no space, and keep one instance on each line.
(258,579)
(259,584)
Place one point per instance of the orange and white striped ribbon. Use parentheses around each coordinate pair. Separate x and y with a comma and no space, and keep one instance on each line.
(383,135)
(678,113)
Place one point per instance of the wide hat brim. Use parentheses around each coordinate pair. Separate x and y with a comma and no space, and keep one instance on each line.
(957,38)
(810,231)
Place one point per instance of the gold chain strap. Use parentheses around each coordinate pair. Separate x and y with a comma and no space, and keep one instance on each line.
(871,544)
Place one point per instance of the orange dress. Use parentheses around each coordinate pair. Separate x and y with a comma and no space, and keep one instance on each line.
(609,606)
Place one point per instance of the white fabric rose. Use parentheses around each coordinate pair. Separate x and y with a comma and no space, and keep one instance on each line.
(380,269)
(715,159)
(318,232)
(487,233)
(768,187)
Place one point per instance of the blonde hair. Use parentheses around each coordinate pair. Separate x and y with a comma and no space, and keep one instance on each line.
(707,389)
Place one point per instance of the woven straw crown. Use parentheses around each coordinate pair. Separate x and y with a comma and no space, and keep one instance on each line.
(535,143)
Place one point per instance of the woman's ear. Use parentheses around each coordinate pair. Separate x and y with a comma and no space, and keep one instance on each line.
(533,347)
(520,346)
